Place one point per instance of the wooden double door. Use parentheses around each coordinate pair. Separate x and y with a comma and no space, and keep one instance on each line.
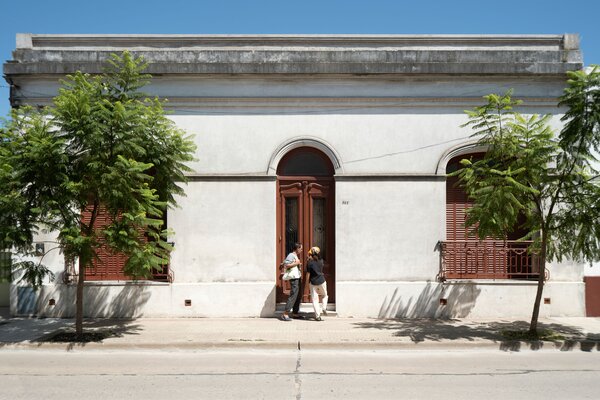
(305,214)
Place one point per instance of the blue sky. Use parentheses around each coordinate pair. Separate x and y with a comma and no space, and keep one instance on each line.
(304,16)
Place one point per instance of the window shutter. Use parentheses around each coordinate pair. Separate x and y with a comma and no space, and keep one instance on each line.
(467,256)
(108,265)
(457,204)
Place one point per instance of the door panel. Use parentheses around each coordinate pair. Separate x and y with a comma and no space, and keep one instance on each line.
(289,228)
(319,225)
(292,223)
(592,296)
(305,214)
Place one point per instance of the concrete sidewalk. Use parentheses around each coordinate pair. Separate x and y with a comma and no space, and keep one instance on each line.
(333,332)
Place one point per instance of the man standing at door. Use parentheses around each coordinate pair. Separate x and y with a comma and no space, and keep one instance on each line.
(292,273)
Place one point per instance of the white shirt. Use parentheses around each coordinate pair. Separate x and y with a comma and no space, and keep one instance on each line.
(293,272)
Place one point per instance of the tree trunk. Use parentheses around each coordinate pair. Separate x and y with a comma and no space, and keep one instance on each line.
(79,298)
(84,260)
(540,287)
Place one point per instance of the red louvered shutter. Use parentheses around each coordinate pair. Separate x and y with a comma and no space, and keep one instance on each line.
(466,255)
(108,265)
(457,204)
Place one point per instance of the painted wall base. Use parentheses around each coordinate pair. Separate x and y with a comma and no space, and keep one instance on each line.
(466,299)
(132,300)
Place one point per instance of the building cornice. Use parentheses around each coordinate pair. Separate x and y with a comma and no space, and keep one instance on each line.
(303,54)
(122,41)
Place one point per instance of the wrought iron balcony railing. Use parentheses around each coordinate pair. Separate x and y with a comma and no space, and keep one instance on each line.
(487,259)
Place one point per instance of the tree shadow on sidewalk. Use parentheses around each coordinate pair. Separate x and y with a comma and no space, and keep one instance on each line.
(452,330)
(95,330)
(23,330)
(42,331)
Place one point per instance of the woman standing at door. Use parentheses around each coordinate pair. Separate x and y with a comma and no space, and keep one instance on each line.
(318,285)
(292,273)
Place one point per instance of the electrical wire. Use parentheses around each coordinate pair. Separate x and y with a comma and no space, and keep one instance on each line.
(304,112)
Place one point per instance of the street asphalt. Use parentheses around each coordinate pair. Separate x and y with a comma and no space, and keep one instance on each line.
(581,334)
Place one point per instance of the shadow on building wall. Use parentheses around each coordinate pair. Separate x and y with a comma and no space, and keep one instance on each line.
(268,307)
(436,300)
(127,303)
(115,301)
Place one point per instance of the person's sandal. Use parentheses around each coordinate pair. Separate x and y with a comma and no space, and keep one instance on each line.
(318,319)
(285,318)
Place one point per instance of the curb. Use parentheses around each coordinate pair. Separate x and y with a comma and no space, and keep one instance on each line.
(509,346)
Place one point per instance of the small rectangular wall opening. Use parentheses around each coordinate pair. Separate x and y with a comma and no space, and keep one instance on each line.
(547,300)
(443,302)
(188,302)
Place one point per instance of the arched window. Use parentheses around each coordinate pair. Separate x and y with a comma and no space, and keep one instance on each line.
(465,256)
(305,161)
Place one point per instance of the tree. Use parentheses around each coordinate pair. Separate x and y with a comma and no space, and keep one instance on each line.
(102,146)
(531,177)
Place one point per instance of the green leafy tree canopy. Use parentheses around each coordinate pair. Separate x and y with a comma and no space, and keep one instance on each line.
(102,146)
(530,176)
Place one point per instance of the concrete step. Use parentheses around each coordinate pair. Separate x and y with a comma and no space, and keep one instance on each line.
(307,309)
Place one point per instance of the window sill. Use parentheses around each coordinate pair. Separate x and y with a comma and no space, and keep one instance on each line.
(125,283)
(491,281)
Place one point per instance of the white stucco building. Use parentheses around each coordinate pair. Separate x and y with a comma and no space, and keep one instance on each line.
(339,141)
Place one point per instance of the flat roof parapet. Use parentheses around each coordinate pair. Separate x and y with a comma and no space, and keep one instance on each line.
(303,54)
(120,41)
